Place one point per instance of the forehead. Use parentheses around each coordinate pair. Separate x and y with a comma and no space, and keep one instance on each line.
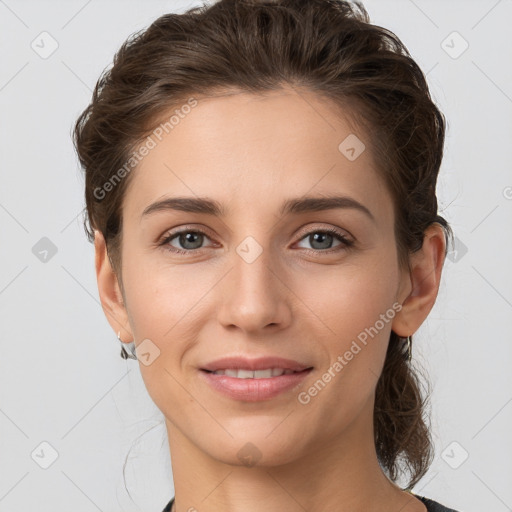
(248,149)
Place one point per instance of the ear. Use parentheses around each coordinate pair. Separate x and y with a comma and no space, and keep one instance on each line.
(110,293)
(420,285)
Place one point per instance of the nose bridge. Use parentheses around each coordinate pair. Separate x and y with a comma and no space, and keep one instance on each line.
(253,296)
(253,267)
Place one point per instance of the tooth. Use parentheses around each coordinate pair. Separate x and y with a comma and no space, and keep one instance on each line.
(245,374)
(263,374)
(257,374)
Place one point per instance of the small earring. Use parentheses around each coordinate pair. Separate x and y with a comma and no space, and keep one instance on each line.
(409,348)
(131,348)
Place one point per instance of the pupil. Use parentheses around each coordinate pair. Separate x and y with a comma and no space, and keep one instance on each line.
(191,237)
(322,236)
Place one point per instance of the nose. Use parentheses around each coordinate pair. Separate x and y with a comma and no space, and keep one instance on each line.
(254,297)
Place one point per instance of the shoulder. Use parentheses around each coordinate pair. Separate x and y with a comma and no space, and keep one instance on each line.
(434,506)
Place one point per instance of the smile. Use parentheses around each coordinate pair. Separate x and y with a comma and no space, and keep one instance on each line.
(250,374)
(254,385)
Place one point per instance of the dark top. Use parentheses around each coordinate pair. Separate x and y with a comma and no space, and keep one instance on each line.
(432,506)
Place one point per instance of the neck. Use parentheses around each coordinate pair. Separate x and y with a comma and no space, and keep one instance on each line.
(340,474)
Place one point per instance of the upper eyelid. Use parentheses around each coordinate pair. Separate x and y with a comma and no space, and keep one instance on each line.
(303,232)
(206,231)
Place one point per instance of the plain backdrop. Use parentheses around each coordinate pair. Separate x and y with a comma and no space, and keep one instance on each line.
(71,409)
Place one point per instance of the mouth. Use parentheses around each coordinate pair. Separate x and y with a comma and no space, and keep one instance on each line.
(268,373)
(254,379)
(263,367)
(245,385)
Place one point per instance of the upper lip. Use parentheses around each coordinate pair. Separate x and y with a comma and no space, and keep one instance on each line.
(260,363)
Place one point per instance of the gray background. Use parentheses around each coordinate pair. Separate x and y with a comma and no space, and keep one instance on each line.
(71,404)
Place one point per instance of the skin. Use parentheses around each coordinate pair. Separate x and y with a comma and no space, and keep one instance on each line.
(251,153)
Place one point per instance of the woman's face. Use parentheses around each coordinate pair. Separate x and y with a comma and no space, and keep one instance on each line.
(261,282)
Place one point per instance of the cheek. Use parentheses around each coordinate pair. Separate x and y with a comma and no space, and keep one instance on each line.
(164,305)
(161,296)
(351,296)
(170,306)
(355,306)
(357,311)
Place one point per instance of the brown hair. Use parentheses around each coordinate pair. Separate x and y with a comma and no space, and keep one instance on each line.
(325,46)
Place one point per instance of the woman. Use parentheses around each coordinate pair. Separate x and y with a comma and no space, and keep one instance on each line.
(260,189)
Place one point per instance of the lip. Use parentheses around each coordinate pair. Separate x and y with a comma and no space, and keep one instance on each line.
(254,390)
(260,363)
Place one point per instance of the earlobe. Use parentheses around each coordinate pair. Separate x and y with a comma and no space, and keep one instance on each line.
(425,275)
(108,287)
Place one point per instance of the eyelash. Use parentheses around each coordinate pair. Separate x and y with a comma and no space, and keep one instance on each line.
(344,240)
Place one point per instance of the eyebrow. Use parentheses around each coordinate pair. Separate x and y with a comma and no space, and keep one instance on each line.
(300,205)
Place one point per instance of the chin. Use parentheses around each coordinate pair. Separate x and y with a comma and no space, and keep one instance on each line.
(254,450)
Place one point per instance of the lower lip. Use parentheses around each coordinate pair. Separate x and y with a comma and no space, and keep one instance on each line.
(254,390)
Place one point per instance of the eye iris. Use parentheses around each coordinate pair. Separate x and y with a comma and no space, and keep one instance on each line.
(321,236)
(191,236)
